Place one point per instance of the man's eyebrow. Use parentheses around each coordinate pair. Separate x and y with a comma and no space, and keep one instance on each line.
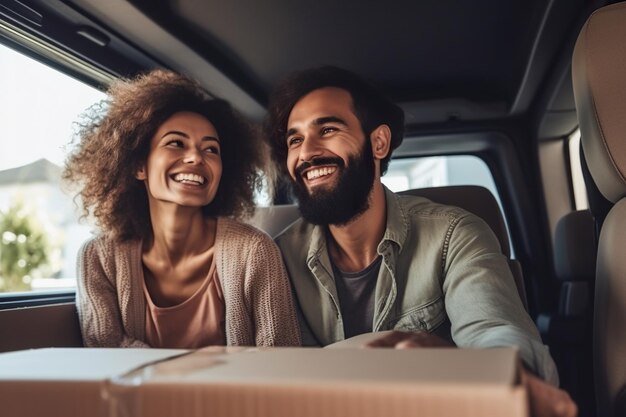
(291,132)
(319,122)
(329,119)
(183,134)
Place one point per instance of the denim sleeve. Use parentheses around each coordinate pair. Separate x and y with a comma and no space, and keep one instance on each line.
(481,298)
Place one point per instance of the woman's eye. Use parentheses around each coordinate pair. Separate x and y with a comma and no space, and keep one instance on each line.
(213,149)
(175,143)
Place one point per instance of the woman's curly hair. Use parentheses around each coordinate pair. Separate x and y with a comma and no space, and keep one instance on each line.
(114,141)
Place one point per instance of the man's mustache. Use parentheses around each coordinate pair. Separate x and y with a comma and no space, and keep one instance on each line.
(323,160)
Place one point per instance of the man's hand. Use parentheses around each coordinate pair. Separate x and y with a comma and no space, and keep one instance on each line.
(545,399)
(407,340)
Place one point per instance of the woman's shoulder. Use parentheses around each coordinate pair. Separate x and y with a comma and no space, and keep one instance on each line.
(241,248)
(106,247)
(235,234)
(240,228)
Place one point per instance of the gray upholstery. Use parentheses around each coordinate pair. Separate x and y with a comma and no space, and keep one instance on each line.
(610,314)
(598,73)
(598,68)
(575,247)
(575,261)
(274,219)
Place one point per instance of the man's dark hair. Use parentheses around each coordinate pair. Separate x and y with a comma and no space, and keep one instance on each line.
(370,106)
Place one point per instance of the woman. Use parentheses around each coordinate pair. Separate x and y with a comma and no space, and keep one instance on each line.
(165,170)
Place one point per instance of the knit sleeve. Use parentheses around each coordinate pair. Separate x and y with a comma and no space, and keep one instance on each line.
(97,301)
(271,296)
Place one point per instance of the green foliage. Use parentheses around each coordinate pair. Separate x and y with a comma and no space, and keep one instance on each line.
(23,249)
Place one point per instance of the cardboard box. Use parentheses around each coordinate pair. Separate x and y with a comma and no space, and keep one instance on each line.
(261,382)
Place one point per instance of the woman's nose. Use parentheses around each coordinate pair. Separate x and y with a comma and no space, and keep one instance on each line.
(192,156)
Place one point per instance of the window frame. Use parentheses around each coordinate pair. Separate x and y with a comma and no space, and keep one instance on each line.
(76,58)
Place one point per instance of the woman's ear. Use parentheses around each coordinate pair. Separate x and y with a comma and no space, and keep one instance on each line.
(141,173)
(381,141)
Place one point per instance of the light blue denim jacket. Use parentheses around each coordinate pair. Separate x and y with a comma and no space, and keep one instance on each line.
(442,272)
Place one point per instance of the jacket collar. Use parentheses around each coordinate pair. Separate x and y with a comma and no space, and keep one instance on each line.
(397,220)
(396,229)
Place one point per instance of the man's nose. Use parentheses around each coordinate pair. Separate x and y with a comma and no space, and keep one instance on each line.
(310,148)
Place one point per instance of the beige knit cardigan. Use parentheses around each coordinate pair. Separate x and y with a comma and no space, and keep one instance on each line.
(257,294)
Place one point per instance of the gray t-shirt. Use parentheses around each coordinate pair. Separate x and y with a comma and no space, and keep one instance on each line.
(356,297)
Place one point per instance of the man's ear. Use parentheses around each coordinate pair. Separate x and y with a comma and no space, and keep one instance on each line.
(141,173)
(381,141)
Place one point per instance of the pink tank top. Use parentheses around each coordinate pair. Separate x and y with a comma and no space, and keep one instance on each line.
(196,322)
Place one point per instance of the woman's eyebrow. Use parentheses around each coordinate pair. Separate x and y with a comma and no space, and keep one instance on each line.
(175,132)
(183,134)
(211,138)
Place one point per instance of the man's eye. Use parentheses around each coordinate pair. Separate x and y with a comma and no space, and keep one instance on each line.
(294,141)
(328,129)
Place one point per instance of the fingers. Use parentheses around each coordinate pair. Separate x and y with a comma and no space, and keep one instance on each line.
(566,407)
(547,400)
(409,340)
(406,344)
(389,340)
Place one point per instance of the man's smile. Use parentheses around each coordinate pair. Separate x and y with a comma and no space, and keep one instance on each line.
(319,172)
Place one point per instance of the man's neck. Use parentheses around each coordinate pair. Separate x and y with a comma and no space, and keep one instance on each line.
(353,246)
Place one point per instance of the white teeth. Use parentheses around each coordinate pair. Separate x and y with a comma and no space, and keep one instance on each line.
(188,178)
(319,172)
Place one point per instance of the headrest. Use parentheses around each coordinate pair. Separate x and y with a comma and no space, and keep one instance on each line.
(575,247)
(599,80)
(475,199)
(274,219)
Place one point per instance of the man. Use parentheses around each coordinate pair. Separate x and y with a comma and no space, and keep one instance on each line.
(364,259)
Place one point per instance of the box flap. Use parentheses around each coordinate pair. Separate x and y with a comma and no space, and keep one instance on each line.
(84,364)
(496,366)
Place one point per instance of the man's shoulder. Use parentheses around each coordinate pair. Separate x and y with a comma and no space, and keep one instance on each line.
(417,208)
(427,219)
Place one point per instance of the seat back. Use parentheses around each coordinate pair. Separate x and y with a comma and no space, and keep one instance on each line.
(38,327)
(480,202)
(598,69)
(568,331)
(274,219)
(575,261)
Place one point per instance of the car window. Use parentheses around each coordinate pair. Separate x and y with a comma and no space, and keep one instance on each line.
(40,231)
(438,171)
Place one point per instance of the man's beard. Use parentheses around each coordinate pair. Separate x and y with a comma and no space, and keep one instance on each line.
(345,201)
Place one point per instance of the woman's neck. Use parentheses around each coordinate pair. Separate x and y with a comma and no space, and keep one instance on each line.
(178,234)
